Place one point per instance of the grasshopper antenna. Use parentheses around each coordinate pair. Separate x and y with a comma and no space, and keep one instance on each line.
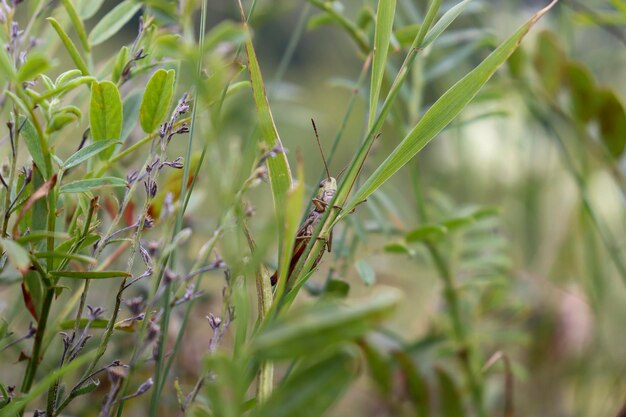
(320,146)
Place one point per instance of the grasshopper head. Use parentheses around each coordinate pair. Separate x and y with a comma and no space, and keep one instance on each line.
(327,190)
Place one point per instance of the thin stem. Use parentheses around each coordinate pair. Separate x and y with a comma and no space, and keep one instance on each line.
(450,294)
(33,363)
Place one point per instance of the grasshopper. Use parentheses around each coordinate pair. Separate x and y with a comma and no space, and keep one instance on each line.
(325,194)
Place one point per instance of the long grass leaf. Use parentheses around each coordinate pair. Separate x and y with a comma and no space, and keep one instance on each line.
(278,167)
(382,36)
(443,23)
(444,111)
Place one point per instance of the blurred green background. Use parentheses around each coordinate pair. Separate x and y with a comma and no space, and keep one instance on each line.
(537,276)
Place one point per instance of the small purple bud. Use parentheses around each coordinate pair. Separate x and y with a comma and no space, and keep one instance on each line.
(214,321)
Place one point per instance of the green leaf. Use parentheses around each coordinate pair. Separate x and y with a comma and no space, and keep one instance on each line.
(612,120)
(90,274)
(379,368)
(69,45)
(582,92)
(87,152)
(113,21)
(60,90)
(443,23)
(95,324)
(61,119)
(311,390)
(397,247)
(131,106)
(91,184)
(366,272)
(7,68)
(443,111)
(226,391)
(322,326)
(77,23)
(120,62)
(31,138)
(66,255)
(417,387)
(278,167)
(88,8)
(549,62)
(426,232)
(336,288)
(41,235)
(384,26)
(293,215)
(105,114)
(17,255)
(35,64)
(156,100)
(450,399)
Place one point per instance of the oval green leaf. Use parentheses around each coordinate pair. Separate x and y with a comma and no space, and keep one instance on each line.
(156,100)
(612,122)
(105,113)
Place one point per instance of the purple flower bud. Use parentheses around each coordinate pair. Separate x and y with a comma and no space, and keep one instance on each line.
(214,321)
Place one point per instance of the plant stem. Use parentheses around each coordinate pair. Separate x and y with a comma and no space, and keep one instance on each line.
(33,363)
(450,294)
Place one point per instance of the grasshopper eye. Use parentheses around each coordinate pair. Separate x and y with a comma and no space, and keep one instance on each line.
(322,183)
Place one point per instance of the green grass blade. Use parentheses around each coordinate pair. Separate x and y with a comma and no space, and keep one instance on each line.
(278,167)
(384,27)
(295,203)
(444,111)
(443,23)
(69,45)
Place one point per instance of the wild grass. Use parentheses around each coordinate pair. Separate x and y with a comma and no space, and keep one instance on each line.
(152,185)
